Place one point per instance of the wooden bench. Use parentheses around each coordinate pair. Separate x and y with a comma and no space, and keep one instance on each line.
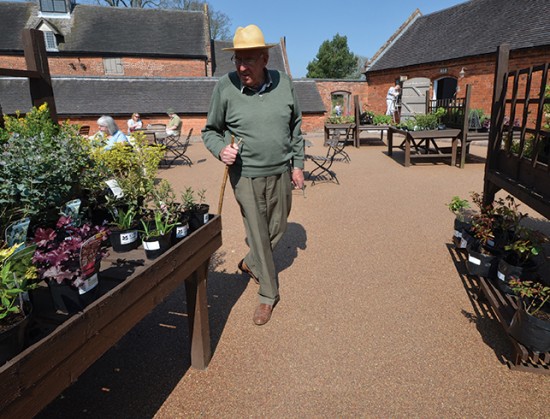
(41,372)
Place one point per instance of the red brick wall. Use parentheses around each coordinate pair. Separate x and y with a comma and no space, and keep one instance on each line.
(133,66)
(479,73)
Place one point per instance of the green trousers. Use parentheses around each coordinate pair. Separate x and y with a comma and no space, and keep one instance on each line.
(265,205)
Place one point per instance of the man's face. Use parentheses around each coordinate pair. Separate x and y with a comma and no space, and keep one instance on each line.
(250,66)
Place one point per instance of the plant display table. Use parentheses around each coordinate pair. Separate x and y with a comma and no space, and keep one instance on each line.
(40,373)
(424,144)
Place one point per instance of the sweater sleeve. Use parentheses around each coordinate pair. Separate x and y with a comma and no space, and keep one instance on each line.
(213,132)
(296,141)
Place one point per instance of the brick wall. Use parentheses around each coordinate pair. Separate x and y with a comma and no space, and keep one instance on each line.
(479,73)
(133,66)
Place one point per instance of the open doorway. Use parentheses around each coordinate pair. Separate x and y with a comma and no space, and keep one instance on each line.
(341,103)
(445,88)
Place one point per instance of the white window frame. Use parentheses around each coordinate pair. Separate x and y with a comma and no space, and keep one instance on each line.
(50,41)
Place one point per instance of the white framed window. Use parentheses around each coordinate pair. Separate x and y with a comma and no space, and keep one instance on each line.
(53,6)
(51,42)
(113,67)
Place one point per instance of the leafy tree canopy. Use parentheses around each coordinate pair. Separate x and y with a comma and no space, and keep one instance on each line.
(219,21)
(334,60)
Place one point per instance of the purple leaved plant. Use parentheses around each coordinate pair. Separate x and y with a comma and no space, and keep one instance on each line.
(57,256)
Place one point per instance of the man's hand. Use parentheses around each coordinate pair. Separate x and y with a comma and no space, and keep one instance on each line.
(229,154)
(298,178)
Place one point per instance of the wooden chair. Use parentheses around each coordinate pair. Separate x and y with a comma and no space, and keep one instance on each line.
(176,149)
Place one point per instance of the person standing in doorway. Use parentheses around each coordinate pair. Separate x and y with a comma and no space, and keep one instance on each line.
(391,100)
(259,108)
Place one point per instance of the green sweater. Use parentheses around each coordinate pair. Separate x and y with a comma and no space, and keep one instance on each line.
(269,124)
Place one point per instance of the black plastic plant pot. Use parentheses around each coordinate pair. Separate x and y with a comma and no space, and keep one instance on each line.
(481,264)
(199,217)
(530,331)
(68,299)
(124,240)
(506,271)
(157,245)
(180,232)
(13,338)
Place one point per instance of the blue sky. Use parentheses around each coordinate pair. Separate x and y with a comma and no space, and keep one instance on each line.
(306,24)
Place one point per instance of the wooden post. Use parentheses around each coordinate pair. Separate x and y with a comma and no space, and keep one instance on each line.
(37,60)
(497,118)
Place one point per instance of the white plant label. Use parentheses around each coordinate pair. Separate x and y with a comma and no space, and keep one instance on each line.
(458,234)
(205,218)
(115,189)
(474,260)
(151,245)
(88,284)
(182,231)
(501,276)
(128,237)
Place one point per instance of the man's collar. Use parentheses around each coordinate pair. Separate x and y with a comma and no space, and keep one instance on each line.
(266,84)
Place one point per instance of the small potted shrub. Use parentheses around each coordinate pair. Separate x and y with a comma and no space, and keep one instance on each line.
(463,219)
(519,258)
(17,277)
(197,210)
(157,233)
(68,259)
(531,322)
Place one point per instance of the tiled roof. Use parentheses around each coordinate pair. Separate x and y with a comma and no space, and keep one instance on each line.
(224,64)
(473,28)
(13,18)
(96,96)
(112,30)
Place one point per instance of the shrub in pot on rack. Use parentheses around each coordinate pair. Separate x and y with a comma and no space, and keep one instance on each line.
(531,322)
(68,259)
(41,167)
(492,228)
(520,257)
(463,219)
(157,233)
(124,227)
(17,277)
(165,197)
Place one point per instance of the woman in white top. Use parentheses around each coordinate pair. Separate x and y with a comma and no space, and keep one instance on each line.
(134,123)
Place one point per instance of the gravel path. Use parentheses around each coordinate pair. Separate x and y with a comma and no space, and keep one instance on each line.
(375,318)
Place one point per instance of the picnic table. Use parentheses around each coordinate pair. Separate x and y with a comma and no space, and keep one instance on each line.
(32,379)
(424,144)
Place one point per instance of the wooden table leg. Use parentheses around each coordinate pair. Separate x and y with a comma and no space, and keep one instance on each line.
(408,140)
(463,151)
(197,312)
(454,151)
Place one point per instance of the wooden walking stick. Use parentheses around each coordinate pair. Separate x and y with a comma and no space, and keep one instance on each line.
(225,176)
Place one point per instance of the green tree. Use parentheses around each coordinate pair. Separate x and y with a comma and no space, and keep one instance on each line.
(219,21)
(333,61)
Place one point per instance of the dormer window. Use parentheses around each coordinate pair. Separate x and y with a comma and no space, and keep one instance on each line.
(51,42)
(53,6)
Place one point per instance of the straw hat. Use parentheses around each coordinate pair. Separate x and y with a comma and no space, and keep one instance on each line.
(250,37)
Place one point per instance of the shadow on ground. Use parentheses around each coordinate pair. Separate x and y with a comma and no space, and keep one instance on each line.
(482,316)
(135,377)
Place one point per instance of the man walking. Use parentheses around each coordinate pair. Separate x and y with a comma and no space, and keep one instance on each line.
(259,108)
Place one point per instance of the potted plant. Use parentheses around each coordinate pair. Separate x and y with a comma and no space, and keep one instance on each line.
(17,277)
(463,219)
(519,257)
(156,233)
(41,166)
(124,232)
(197,210)
(68,259)
(531,322)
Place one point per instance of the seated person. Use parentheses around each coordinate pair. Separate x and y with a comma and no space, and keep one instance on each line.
(109,129)
(134,123)
(174,125)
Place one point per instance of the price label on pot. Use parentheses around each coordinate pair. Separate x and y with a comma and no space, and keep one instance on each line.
(463,243)
(458,234)
(182,231)
(205,218)
(128,237)
(474,260)
(501,276)
(88,284)
(151,245)
(115,188)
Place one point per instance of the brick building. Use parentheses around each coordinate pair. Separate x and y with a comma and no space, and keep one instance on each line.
(437,55)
